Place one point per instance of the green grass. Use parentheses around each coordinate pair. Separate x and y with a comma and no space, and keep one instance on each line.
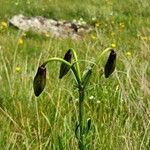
(120,110)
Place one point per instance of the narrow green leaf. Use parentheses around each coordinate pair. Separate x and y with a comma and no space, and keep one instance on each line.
(110,64)
(86,76)
(77,130)
(60,143)
(39,80)
(88,126)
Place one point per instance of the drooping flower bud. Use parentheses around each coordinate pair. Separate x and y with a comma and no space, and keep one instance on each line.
(65,68)
(39,80)
(110,64)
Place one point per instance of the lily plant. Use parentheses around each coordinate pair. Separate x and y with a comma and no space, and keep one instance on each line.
(81,82)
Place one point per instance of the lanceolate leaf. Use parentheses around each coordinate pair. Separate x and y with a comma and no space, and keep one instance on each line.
(65,68)
(39,80)
(86,76)
(110,64)
(88,124)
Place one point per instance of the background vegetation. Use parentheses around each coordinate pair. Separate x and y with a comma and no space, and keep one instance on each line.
(119,107)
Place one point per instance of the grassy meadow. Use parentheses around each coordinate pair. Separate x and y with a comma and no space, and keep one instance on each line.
(119,106)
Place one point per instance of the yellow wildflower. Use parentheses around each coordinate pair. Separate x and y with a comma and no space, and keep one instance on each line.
(128,53)
(122,25)
(145,38)
(112,22)
(97,24)
(18,69)
(46,34)
(4,25)
(93,37)
(113,45)
(20,41)
(112,33)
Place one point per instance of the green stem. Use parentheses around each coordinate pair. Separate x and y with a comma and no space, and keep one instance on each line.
(103,52)
(77,64)
(75,72)
(57,59)
(81,98)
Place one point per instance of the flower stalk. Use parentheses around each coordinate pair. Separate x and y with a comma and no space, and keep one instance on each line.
(80,118)
(66,65)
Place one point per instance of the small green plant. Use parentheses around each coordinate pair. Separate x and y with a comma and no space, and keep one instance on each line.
(81,81)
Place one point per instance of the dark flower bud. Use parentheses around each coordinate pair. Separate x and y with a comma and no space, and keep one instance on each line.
(110,64)
(65,68)
(39,80)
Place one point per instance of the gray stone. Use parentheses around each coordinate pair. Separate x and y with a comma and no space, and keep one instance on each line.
(72,29)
